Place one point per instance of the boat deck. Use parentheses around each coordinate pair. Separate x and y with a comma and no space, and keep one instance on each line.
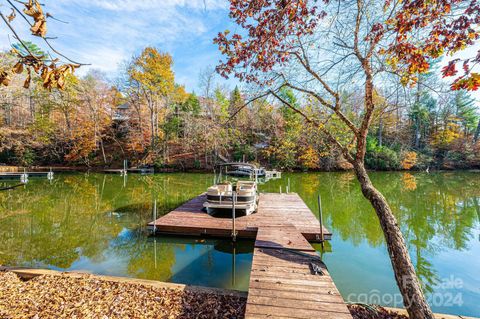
(283,210)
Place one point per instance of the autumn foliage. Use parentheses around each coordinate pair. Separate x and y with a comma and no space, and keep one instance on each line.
(409,160)
(415,32)
(268,24)
(426,30)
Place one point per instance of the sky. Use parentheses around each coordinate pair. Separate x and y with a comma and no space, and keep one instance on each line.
(105,33)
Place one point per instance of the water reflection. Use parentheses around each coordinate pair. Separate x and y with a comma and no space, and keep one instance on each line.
(439,215)
(97,223)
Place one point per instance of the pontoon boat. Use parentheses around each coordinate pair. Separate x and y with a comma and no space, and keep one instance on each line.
(220,197)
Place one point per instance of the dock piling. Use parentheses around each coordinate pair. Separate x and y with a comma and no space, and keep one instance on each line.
(234,231)
(320,217)
(50,174)
(24,177)
(154,215)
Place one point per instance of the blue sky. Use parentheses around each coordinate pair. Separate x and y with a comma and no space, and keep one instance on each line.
(106,32)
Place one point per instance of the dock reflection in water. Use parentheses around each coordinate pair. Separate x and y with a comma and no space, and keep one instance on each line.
(97,223)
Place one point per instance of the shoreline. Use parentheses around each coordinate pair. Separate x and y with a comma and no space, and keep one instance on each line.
(83,169)
(232,302)
(29,273)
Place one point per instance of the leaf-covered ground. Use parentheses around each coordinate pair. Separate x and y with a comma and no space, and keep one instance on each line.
(370,312)
(88,297)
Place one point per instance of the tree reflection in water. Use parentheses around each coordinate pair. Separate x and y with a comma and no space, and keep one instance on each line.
(439,214)
(96,222)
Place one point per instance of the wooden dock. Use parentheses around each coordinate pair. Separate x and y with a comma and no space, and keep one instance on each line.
(288,278)
(287,210)
(290,281)
(134,170)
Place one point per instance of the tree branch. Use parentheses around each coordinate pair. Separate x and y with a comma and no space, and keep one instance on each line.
(318,125)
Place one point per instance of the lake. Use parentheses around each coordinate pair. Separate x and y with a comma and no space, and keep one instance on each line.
(96,223)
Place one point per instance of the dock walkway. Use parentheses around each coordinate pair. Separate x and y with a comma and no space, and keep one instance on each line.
(288,278)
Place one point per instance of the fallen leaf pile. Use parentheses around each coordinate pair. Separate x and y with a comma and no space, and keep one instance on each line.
(373,312)
(89,297)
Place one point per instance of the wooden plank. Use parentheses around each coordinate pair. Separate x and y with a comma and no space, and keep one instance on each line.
(284,237)
(266,311)
(282,283)
(276,301)
(263,285)
(296,295)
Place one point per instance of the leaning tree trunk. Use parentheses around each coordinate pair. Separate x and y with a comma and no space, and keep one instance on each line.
(407,281)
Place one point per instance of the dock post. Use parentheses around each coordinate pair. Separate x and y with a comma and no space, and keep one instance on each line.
(50,174)
(124,167)
(280,189)
(288,190)
(234,231)
(320,212)
(24,177)
(154,217)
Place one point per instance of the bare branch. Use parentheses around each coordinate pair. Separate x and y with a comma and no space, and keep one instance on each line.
(318,125)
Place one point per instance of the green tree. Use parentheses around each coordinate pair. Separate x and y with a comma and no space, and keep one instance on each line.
(466,111)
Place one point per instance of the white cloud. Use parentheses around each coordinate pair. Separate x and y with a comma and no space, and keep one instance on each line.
(104,33)
(134,5)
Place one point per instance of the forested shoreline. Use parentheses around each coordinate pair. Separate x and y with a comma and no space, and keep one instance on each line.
(146,117)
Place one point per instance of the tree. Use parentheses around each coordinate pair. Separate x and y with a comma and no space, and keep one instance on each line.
(317,48)
(151,72)
(97,96)
(466,111)
(420,115)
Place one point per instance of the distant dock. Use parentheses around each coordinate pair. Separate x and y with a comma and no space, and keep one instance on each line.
(129,170)
(288,278)
(25,175)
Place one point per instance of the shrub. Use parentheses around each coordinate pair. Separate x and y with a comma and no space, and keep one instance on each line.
(409,160)
(380,157)
(309,159)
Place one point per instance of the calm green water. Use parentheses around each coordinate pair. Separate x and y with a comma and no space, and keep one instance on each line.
(96,223)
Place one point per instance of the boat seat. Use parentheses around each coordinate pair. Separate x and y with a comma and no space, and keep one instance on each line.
(221,189)
(245,185)
(244,192)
